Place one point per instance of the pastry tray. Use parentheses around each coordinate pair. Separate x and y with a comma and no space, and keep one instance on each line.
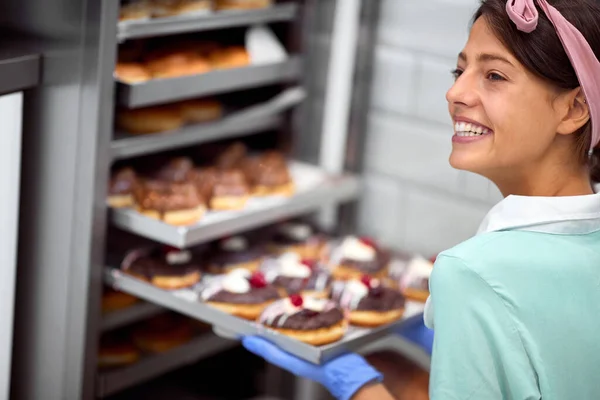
(160,91)
(197,22)
(188,302)
(314,189)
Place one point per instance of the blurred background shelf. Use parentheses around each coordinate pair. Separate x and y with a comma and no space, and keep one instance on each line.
(129,315)
(159,91)
(211,21)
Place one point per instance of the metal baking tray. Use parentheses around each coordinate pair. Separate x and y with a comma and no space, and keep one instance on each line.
(113,381)
(158,91)
(204,22)
(314,189)
(254,119)
(129,315)
(187,302)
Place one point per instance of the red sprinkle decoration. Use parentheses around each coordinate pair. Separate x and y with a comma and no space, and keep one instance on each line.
(366,280)
(170,249)
(309,263)
(257,280)
(368,241)
(296,300)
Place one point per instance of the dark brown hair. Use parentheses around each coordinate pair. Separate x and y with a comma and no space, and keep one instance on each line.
(542,53)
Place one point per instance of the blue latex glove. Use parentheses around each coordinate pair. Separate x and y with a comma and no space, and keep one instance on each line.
(342,376)
(416,332)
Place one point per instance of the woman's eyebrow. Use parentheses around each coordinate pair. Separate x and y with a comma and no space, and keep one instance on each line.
(486,57)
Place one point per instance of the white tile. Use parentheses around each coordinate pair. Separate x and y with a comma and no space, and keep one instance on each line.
(434,80)
(382,210)
(394,75)
(411,150)
(432,26)
(436,222)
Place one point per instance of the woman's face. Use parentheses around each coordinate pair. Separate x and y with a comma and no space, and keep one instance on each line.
(503,116)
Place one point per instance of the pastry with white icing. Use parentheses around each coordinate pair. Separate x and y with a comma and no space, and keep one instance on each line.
(354,257)
(233,253)
(299,238)
(293,275)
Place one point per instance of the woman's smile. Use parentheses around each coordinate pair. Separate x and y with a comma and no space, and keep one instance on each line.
(468,131)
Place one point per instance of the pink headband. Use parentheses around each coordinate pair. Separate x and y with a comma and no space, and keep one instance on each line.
(525,16)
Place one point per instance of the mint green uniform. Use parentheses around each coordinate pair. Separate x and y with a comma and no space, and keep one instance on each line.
(516,311)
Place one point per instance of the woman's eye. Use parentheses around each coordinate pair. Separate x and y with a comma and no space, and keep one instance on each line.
(492,76)
(456,73)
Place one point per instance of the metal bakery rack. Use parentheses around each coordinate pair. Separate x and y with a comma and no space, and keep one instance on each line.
(69,145)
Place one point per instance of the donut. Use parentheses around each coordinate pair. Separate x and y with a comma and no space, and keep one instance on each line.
(269,175)
(132,10)
(173,64)
(120,188)
(234,253)
(369,302)
(230,191)
(149,119)
(196,111)
(131,72)
(232,157)
(204,179)
(229,57)
(413,279)
(162,333)
(169,8)
(354,257)
(299,238)
(173,203)
(307,319)
(114,300)
(240,293)
(241,4)
(166,267)
(177,170)
(292,275)
(116,350)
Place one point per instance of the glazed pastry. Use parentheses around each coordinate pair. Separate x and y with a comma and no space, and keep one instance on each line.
(414,281)
(178,170)
(149,119)
(116,351)
(241,4)
(232,157)
(131,72)
(121,187)
(229,57)
(196,111)
(135,10)
(114,300)
(234,253)
(299,238)
(173,203)
(204,179)
(355,257)
(167,268)
(230,191)
(169,8)
(173,64)
(162,333)
(269,175)
(292,275)
(313,321)
(240,293)
(369,302)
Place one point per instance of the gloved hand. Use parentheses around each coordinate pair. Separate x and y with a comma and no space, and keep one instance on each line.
(342,376)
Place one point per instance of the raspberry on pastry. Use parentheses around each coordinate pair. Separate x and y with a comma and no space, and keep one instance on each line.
(293,275)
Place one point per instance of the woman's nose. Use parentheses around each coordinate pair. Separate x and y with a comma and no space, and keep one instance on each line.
(463,91)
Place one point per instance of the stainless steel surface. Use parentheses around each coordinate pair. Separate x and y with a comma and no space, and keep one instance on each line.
(158,91)
(20,62)
(110,382)
(187,302)
(314,189)
(210,21)
(129,315)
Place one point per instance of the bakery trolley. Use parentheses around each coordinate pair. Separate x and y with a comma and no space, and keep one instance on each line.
(69,145)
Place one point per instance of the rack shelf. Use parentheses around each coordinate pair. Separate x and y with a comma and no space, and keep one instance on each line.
(159,91)
(129,315)
(206,345)
(210,21)
(314,189)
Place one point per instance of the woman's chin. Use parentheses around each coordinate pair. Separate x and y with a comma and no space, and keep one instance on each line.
(466,162)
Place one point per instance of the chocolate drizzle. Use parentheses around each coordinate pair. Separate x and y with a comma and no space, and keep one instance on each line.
(377,264)
(254,296)
(164,196)
(381,299)
(308,320)
(151,264)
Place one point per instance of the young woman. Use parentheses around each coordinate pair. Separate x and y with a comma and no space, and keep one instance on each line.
(515,309)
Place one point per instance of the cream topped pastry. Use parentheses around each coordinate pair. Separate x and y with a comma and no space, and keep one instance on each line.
(308,319)
(233,253)
(292,275)
(354,257)
(299,238)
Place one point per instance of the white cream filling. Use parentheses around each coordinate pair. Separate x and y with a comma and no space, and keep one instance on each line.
(237,281)
(234,244)
(297,232)
(353,249)
(179,257)
(291,266)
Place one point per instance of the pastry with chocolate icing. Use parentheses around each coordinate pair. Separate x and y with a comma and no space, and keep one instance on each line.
(167,268)
(269,175)
(232,157)
(230,191)
(299,238)
(116,350)
(414,280)
(121,187)
(293,275)
(174,203)
(162,333)
(355,257)
(114,300)
(369,302)
(307,319)
(240,293)
(178,170)
(233,253)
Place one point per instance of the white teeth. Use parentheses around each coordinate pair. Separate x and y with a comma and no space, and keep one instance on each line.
(469,129)
(479,130)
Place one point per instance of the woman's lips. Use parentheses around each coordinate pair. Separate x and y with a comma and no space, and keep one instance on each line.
(469,131)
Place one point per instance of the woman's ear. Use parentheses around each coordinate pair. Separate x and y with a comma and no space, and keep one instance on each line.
(575,111)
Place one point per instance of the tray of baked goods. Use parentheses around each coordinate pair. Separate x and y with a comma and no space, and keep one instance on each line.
(150,18)
(182,203)
(312,295)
